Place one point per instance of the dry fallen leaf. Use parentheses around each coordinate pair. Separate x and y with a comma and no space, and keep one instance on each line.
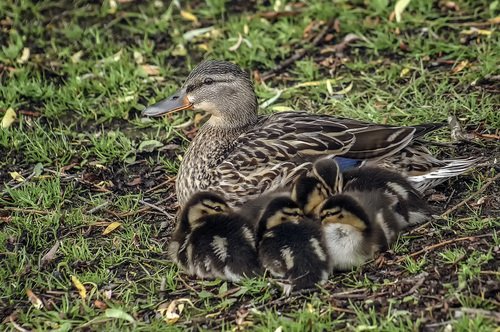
(111,227)
(9,118)
(189,16)
(75,58)
(138,58)
(399,8)
(100,305)
(35,300)
(460,66)
(17,177)
(50,255)
(113,6)
(173,312)
(404,72)
(238,43)
(24,56)
(476,31)
(151,70)
(79,286)
(345,90)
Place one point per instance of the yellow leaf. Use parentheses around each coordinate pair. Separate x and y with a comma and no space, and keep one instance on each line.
(329,87)
(460,66)
(79,286)
(399,8)
(474,31)
(24,56)
(35,300)
(404,72)
(188,16)
(111,227)
(75,58)
(113,6)
(138,58)
(16,176)
(345,90)
(173,312)
(8,118)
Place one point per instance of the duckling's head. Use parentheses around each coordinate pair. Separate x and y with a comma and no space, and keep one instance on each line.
(280,210)
(218,87)
(344,209)
(328,172)
(202,204)
(309,193)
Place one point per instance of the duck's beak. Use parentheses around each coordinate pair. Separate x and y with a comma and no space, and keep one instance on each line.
(176,102)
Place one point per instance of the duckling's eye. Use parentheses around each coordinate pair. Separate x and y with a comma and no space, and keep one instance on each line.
(217,208)
(208,81)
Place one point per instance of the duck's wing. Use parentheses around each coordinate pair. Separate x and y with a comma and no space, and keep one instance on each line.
(282,146)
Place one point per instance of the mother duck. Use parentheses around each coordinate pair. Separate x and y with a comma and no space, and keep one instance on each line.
(242,155)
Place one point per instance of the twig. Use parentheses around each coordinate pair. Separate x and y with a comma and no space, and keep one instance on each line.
(98,207)
(157,208)
(442,244)
(480,191)
(299,54)
(23,182)
(15,209)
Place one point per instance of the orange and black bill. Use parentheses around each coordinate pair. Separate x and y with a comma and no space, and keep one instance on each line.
(176,102)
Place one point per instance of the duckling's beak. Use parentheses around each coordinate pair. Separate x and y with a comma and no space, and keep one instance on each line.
(176,102)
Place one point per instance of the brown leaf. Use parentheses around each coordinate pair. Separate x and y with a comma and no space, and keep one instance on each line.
(151,70)
(100,305)
(35,300)
(50,255)
(458,68)
(135,181)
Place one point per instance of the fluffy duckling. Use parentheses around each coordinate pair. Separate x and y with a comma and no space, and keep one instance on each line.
(407,203)
(356,225)
(309,192)
(290,246)
(217,241)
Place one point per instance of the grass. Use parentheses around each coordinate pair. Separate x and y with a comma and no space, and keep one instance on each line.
(78,77)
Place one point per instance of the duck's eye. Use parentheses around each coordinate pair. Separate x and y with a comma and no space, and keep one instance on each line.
(217,208)
(208,81)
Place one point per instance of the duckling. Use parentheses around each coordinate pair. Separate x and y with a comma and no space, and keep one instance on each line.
(407,203)
(356,225)
(309,192)
(291,246)
(200,204)
(219,243)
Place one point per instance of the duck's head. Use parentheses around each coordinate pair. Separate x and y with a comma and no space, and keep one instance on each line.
(327,171)
(344,209)
(202,204)
(218,87)
(279,210)
(309,193)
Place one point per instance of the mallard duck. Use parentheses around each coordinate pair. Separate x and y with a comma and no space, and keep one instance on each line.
(290,246)
(242,155)
(356,225)
(213,241)
(408,205)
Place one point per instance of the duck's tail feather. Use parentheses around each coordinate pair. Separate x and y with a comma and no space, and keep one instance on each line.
(448,168)
(425,128)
